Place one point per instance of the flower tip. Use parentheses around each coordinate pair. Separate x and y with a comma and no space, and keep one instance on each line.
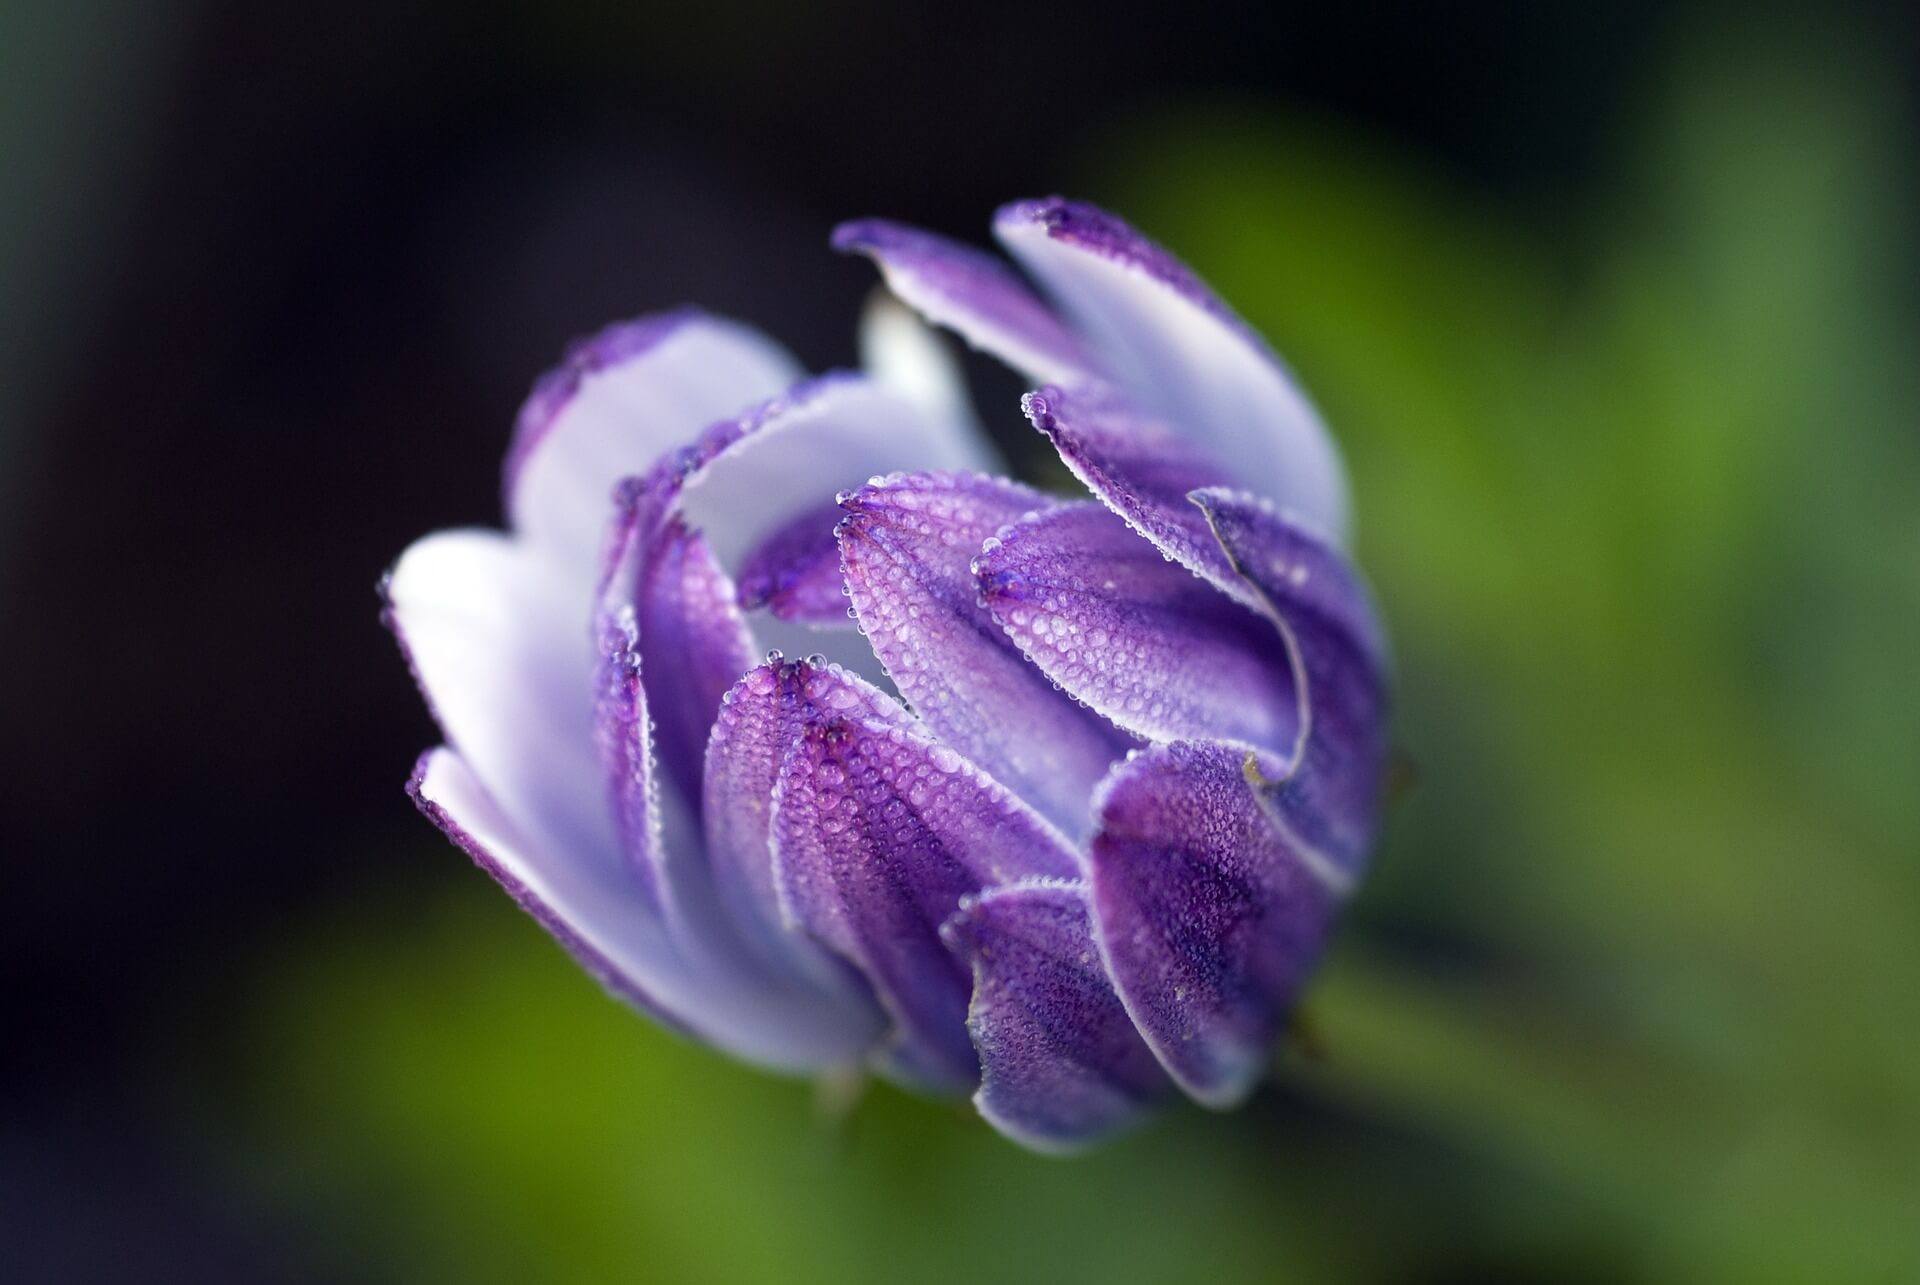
(859,236)
(1043,211)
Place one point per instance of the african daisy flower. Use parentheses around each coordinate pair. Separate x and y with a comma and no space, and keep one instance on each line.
(1065,819)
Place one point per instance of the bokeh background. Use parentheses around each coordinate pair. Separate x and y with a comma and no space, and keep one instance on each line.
(1614,309)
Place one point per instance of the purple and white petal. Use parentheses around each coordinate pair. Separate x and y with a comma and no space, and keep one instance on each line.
(907,546)
(621,399)
(1330,795)
(1142,470)
(879,832)
(497,639)
(602,915)
(1154,648)
(761,719)
(1061,1065)
(1179,352)
(1210,915)
(625,950)
(970,292)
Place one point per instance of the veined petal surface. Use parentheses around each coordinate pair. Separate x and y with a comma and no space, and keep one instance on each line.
(907,545)
(1061,1065)
(879,831)
(1330,795)
(761,719)
(1154,648)
(1210,914)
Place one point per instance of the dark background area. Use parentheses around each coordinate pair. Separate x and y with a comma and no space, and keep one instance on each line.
(275,278)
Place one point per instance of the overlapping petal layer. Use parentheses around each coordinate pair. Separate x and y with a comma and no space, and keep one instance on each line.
(1061,1065)
(907,545)
(1151,646)
(879,831)
(1210,913)
(622,399)
(1179,352)
(971,292)
(762,718)
(1331,793)
(1142,470)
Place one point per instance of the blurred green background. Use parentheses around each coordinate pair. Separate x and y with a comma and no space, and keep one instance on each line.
(1633,992)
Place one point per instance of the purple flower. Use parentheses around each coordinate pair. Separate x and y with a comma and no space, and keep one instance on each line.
(1065,820)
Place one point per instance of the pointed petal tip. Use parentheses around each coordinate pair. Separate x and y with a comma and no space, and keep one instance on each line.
(869,235)
(1041,211)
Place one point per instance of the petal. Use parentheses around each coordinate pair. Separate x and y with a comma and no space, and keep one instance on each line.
(496,637)
(971,293)
(623,731)
(795,572)
(907,545)
(1140,469)
(1061,1065)
(1180,352)
(1145,642)
(621,399)
(1210,915)
(687,635)
(1330,795)
(605,919)
(878,834)
(761,719)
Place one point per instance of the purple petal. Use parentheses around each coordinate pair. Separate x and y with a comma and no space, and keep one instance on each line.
(1211,916)
(1180,352)
(1331,795)
(716,897)
(969,292)
(907,545)
(795,572)
(600,913)
(1141,470)
(686,636)
(623,731)
(621,399)
(1061,1065)
(762,718)
(878,834)
(1145,642)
